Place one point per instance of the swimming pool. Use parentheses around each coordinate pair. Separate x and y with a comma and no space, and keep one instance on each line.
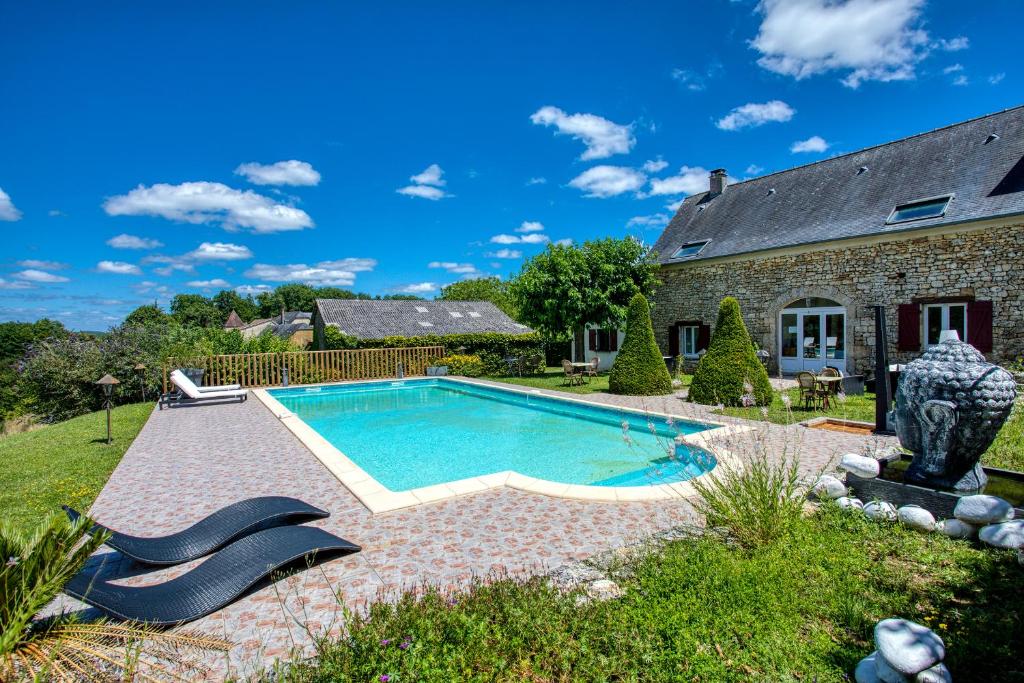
(419,433)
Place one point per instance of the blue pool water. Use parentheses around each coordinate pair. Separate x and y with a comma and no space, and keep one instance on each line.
(418,433)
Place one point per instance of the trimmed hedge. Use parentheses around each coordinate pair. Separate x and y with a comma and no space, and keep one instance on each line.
(492,347)
(467,366)
(730,370)
(639,369)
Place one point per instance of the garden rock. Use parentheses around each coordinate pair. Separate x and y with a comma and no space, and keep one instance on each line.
(865,671)
(886,673)
(982,509)
(604,589)
(848,503)
(880,510)
(955,528)
(936,674)
(860,465)
(828,486)
(907,647)
(1005,535)
(916,517)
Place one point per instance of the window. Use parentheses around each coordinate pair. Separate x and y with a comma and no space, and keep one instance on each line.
(940,317)
(688,340)
(690,249)
(604,340)
(932,207)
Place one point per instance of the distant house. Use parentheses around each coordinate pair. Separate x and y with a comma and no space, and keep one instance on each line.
(234,322)
(931,227)
(295,326)
(377,319)
(601,342)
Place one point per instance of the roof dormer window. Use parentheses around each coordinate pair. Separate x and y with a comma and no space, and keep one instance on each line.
(932,207)
(690,249)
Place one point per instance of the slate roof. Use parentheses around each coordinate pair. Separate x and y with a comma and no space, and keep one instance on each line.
(396,318)
(233,322)
(834,199)
(293,321)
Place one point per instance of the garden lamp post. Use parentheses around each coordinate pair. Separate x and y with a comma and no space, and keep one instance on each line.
(107,382)
(141,370)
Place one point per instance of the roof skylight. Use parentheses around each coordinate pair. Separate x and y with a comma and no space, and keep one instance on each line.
(425,323)
(690,249)
(932,207)
(455,314)
(421,309)
(474,314)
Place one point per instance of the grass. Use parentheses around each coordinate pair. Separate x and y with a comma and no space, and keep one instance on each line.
(860,408)
(65,463)
(1007,451)
(800,609)
(554,378)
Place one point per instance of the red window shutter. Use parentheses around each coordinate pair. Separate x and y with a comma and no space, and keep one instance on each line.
(703,336)
(673,340)
(909,331)
(979,325)
(593,339)
(613,339)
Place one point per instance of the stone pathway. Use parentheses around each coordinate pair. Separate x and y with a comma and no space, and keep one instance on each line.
(191,460)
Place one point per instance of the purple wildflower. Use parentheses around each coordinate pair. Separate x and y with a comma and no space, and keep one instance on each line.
(385,642)
(384,678)
(12,561)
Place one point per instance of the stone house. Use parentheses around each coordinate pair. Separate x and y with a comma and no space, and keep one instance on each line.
(295,326)
(931,227)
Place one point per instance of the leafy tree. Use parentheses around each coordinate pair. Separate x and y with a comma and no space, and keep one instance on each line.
(730,372)
(492,289)
(639,369)
(227,300)
(566,286)
(290,297)
(149,314)
(15,340)
(195,310)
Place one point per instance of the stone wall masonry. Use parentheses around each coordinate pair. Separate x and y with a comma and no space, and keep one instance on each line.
(986,264)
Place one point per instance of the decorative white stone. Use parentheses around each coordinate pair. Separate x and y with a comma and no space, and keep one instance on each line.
(848,503)
(982,509)
(860,465)
(916,517)
(604,589)
(865,671)
(828,486)
(937,674)
(886,673)
(908,647)
(1004,535)
(879,509)
(955,528)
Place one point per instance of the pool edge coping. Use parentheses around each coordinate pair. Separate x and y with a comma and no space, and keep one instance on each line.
(378,498)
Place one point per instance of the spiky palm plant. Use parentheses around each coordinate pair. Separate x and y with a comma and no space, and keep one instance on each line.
(34,567)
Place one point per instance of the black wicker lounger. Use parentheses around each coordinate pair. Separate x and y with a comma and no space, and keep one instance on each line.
(222,527)
(215,583)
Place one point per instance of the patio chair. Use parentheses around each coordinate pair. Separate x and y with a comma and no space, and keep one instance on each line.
(571,376)
(591,370)
(223,578)
(833,387)
(810,394)
(212,532)
(193,394)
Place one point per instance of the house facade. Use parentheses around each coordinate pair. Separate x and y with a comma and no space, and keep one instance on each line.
(931,227)
(295,326)
(598,342)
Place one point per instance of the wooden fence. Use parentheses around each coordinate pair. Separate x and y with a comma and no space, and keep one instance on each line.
(306,367)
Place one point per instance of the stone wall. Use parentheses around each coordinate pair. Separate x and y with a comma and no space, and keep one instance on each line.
(983,264)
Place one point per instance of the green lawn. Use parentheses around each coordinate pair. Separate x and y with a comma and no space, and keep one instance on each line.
(852,408)
(1007,451)
(554,378)
(65,463)
(800,609)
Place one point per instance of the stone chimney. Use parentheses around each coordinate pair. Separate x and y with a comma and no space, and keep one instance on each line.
(718,180)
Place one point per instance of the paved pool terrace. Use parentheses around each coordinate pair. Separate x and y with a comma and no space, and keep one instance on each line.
(191,460)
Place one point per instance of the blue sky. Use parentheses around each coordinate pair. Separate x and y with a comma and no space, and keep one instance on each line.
(148,150)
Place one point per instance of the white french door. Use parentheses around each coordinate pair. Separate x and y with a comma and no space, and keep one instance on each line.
(811,338)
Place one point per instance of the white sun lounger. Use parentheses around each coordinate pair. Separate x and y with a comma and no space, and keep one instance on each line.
(192,393)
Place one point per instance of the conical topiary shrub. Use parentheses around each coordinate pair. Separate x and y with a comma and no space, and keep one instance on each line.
(639,369)
(730,369)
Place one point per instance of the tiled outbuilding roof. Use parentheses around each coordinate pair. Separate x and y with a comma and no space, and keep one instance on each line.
(372,319)
(979,162)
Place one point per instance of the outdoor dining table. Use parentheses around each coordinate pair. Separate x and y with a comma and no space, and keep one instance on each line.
(581,364)
(827,382)
(513,364)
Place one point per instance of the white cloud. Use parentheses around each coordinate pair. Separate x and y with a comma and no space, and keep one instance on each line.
(205,202)
(953,68)
(118,268)
(339,273)
(602,137)
(608,181)
(7,210)
(505,239)
(125,241)
(290,172)
(689,180)
(34,275)
(961,80)
(418,288)
(953,44)
(996,79)
(215,283)
(170,264)
(655,166)
(505,253)
(531,226)
(815,143)
(872,40)
(564,242)
(246,290)
(752,114)
(431,176)
(537,180)
(55,213)
(455,268)
(8,284)
(219,251)
(42,265)
(658,220)
(427,185)
(674,206)
(422,191)
(754,169)
(529,238)
(689,79)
